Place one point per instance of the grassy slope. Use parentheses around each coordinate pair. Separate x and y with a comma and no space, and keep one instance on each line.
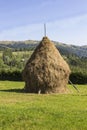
(20,111)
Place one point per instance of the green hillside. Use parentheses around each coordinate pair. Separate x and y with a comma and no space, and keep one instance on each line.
(80,51)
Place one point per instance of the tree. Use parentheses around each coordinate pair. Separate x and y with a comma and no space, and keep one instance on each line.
(7,56)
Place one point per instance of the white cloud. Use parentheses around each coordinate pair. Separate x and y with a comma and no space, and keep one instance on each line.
(32,31)
(71,30)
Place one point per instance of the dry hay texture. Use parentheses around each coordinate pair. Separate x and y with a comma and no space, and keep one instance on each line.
(46,71)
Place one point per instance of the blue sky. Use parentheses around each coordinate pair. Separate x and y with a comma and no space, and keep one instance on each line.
(66,20)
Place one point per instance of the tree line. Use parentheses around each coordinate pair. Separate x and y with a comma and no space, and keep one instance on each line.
(13,62)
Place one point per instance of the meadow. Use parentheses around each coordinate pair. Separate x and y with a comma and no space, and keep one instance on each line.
(24,111)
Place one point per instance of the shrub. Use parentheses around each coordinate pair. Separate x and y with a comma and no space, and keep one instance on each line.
(16,75)
(11,75)
(78,78)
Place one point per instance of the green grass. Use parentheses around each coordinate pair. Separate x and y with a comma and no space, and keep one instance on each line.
(21,111)
(22,53)
(0,54)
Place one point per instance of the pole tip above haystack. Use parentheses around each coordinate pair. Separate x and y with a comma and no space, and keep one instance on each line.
(46,71)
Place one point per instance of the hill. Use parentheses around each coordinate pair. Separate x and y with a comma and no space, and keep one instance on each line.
(65,49)
(13,62)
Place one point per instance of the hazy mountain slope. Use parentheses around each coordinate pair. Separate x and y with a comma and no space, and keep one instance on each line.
(80,51)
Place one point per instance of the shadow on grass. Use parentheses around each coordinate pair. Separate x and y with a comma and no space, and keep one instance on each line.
(13,90)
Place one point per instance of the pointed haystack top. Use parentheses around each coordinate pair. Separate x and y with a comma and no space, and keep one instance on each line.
(46,70)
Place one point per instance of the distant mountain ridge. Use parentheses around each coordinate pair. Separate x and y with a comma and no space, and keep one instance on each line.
(66,49)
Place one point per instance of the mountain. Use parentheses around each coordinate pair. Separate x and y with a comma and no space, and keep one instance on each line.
(80,51)
(66,49)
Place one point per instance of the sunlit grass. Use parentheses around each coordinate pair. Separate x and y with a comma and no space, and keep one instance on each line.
(21,111)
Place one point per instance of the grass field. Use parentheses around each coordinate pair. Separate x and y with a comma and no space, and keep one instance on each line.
(21,111)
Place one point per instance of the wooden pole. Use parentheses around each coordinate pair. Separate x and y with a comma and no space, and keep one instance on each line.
(45,30)
(73,85)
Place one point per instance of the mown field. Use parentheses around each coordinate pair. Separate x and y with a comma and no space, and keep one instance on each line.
(23,111)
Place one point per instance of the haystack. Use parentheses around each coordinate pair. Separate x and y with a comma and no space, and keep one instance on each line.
(46,71)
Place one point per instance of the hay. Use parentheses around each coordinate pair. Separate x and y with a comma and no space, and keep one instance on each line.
(46,71)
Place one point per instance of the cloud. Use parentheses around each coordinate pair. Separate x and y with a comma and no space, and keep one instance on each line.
(31,31)
(70,30)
